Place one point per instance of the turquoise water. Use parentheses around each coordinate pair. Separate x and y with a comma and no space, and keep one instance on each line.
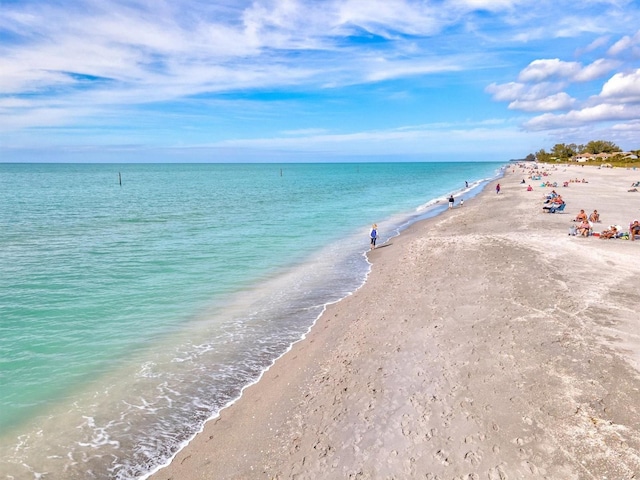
(131,313)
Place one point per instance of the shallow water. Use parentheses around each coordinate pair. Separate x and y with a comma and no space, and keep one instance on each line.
(130,314)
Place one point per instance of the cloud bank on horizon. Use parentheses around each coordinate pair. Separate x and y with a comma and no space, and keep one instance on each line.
(304,79)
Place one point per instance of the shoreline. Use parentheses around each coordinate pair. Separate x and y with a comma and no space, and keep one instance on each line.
(433,208)
(426,369)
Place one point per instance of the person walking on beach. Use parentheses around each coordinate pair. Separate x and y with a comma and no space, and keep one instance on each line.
(461,202)
(373,235)
(451,201)
(498,188)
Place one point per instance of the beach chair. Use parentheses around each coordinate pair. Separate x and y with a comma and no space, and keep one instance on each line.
(558,209)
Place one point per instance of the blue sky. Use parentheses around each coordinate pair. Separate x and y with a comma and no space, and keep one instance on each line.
(313,80)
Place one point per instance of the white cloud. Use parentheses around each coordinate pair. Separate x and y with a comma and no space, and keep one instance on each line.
(595,70)
(599,113)
(385,70)
(531,97)
(545,69)
(624,87)
(488,137)
(595,45)
(534,93)
(559,101)
(632,126)
(387,18)
(506,92)
(625,43)
(489,5)
(540,70)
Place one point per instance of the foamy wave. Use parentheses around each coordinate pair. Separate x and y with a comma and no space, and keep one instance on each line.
(99,435)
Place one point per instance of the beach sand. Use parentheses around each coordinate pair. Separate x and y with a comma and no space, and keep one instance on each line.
(487,343)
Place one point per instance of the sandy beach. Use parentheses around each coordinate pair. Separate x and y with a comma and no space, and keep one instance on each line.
(487,343)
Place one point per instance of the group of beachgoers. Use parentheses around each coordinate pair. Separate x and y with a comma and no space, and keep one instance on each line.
(585,227)
(616,231)
(585,224)
(554,184)
(553,202)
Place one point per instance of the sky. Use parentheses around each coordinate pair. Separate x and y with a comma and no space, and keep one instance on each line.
(314,80)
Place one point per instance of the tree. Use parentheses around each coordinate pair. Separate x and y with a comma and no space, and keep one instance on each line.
(542,156)
(530,158)
(562,151)
(601,146)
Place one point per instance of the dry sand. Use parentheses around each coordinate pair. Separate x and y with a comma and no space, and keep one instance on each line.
(487,343)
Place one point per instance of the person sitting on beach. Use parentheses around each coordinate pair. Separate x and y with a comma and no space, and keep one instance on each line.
(581,217)
(557,200)
(552,207)
(594,217)
(612,232)
(634,229)
(529,188)
(584,228)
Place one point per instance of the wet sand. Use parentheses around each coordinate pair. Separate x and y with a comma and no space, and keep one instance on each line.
(487,343)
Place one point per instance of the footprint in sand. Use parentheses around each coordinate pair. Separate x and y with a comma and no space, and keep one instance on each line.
(440,455)
(474,457)
(497,473)
(532,468)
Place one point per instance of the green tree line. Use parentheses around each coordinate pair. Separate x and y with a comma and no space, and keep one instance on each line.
(563,152)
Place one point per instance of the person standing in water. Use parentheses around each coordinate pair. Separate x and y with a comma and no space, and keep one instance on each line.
(373,235)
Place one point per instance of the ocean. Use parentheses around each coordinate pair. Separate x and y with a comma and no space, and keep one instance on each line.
(138,300)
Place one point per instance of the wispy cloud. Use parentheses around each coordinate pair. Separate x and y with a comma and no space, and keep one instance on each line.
(484,140)
(234,69)
(627,44)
